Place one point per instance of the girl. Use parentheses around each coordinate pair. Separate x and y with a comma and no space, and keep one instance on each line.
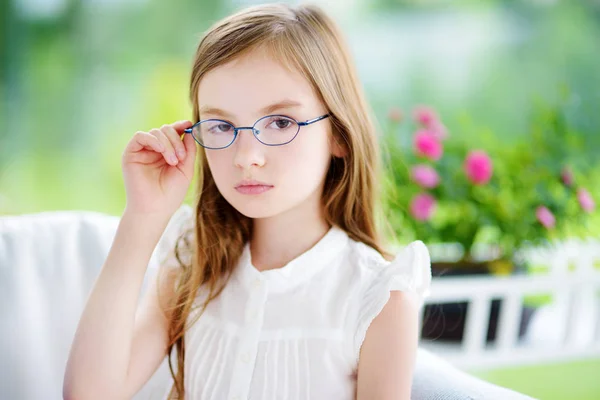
(275,285)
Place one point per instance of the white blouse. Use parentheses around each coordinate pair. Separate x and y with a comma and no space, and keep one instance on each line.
(294,332)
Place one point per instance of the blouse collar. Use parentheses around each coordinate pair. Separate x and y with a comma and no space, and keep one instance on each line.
(298,269)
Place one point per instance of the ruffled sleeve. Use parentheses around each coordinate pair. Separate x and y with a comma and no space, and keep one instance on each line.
(410,270)
(178,224)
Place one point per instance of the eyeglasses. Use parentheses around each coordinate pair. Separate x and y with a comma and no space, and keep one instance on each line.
(271,130)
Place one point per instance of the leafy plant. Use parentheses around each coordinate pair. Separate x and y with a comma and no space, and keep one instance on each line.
(440,189)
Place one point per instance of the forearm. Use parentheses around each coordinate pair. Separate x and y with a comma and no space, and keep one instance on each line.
(101,348)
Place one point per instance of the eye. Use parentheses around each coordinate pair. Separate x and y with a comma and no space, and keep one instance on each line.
(221,128)
(280,123)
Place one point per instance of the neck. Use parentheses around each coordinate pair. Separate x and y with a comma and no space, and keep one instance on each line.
(279,239)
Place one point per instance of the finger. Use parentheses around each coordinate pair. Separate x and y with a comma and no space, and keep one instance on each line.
(175,139)
(169,152)
(146,157)
(190,145)
(145,140)
(179,126)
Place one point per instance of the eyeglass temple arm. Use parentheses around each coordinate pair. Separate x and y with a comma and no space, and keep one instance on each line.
(310,121)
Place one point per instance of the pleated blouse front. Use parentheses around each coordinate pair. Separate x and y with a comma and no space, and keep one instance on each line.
(295,332)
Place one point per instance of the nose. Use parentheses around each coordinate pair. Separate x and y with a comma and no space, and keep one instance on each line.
(248,151)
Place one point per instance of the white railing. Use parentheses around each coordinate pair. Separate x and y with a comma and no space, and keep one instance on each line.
(566,329)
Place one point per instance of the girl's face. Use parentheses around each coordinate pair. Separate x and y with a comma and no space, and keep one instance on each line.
(241,92)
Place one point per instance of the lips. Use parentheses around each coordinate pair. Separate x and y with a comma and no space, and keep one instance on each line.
(252,186)
(253,189)
(251,182)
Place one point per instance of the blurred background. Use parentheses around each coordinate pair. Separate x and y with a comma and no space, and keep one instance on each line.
(516,81)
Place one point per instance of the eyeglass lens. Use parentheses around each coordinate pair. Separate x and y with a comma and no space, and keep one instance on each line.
(270,130)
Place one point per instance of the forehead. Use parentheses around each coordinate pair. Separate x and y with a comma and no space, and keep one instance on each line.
(245,85)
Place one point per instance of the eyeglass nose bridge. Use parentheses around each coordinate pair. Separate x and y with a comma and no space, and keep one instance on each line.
(253,129)
(245,127)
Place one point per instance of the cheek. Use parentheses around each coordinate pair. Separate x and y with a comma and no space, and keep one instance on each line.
(220,166)
(304,162)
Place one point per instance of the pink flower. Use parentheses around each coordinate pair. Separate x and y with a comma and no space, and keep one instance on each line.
(567,176)
(545,217)
(425,176)
(585,200)
(395,114)
(424,115)
(428,145)
(438,130)
(422,206)
(478,167)
(428,119)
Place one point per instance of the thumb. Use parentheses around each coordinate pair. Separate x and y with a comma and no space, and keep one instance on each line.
(190,148)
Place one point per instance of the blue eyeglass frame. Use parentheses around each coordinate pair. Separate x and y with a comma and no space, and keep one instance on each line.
(235,130)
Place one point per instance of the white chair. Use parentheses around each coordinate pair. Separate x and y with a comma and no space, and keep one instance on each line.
(48,264)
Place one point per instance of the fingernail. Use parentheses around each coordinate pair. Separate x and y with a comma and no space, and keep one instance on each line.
(181,154)
(173,159)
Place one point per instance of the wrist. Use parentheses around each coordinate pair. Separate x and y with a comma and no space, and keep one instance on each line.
(145,223)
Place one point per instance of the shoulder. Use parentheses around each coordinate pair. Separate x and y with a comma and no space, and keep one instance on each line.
(410,269)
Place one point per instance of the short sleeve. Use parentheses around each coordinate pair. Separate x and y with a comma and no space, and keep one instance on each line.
(178,224)
(410,270)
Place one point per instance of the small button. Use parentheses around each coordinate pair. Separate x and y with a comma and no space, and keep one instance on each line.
(258,283)
(245,357)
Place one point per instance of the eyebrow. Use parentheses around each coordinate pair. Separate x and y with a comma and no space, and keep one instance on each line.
(283,104)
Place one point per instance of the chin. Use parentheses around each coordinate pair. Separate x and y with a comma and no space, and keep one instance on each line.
(256,213)
(254,206)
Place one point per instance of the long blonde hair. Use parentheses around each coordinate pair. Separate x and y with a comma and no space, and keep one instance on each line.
(305,39)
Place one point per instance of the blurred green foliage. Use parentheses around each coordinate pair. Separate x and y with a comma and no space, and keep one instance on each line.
(75,86)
